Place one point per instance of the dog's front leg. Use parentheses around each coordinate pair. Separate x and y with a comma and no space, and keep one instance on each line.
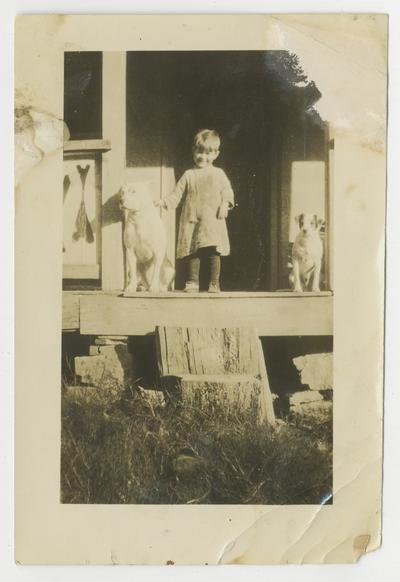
(296,277)
(131,270)
(316,277)
(154,286)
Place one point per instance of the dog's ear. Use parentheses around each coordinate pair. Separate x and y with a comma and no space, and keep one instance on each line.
(299,219)
(320,223)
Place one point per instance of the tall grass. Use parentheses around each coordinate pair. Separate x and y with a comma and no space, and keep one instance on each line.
(128,449)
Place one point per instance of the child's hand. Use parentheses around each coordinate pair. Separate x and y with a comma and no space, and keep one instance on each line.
(223,210)
(160,202)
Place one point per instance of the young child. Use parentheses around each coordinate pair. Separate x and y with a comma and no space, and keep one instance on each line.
(208,195)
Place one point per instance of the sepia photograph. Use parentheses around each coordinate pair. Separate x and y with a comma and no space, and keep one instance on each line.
(197,335)
(200,253)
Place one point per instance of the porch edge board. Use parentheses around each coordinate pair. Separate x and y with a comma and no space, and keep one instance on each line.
(70,312)
(271,316)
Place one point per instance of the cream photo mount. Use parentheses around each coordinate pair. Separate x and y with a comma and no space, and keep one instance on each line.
(346,56)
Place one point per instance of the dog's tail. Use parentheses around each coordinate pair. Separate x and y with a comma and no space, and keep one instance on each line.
(291,275)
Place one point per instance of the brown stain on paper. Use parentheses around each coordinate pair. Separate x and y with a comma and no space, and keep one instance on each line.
(360,546)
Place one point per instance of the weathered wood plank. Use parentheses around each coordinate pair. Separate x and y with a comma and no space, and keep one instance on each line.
(70,314)
(223,294)
(207,350)
(87,145)
(271,315)
(81,271)
(200,365)
(267,402)
(202,391)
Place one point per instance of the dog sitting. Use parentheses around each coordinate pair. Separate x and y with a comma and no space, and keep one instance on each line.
(307,254)
(147,267)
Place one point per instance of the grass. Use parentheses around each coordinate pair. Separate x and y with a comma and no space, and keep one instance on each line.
(128,448)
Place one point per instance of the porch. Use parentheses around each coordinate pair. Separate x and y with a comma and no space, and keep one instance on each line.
(271,314)
(135,123)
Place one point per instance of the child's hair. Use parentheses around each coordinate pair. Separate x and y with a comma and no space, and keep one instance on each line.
(207,139)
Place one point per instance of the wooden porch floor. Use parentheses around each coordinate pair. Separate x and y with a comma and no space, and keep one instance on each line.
(271,314)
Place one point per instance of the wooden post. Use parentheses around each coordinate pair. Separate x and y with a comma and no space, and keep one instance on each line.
(329,205)
(168,217)
(113,169)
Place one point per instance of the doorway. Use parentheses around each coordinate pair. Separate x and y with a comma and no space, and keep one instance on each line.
(252,99)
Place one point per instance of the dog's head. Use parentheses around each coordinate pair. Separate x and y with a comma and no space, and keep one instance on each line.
(308,223)
(134,197)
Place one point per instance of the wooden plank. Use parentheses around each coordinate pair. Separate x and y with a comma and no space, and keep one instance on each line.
(161,348)
(167,184)
(283,315)
(207,350)
(81,272)
(70,313)
(223,294)
(87,145)
(267,402)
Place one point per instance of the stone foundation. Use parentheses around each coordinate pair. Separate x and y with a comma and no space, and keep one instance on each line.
(109,363)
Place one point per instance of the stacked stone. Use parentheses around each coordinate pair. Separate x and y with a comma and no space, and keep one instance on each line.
(316,372)
(109,363)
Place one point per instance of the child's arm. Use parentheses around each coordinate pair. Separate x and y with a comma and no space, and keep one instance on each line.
(173,199)
(227,197)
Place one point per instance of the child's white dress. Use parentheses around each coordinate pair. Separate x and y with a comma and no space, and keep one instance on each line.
(203,189)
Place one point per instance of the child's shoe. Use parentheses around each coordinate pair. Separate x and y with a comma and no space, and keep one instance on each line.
(214,288)
(191,287)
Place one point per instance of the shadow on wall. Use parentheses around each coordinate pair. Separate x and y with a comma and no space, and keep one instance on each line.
(111,211)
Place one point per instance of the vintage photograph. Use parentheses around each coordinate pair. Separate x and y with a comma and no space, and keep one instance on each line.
(197,280)
(199,274)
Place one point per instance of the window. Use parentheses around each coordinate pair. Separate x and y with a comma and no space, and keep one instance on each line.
(82,94)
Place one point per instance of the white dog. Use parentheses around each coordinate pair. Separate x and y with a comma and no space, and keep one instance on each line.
(307,254)
(146,267)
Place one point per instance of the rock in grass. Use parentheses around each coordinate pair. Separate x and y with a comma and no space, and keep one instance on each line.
(187,464)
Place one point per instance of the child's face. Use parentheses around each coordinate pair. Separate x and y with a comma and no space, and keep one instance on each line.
(204,155)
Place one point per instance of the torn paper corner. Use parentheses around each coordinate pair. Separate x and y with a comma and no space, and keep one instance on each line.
(37,134)
(364,544)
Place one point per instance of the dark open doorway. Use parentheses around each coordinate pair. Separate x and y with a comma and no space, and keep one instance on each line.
(261,105)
